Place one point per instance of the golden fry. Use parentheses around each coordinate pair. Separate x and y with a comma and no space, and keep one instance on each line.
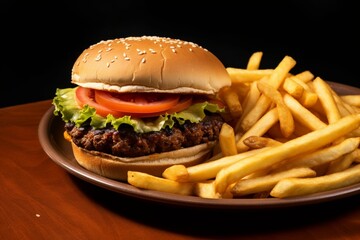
(267,182)
(232,101)
(286,120)
(227,140)
(353,100)
(254,61)
(327,101)
(208,170)
(343,162)
(255,142)
(302,114)
(321,156)
(305,76)
(258,129)
(206,190)
(292,187)
(293,88)
(176,172)
(247,76)
(275,80)
(150,182)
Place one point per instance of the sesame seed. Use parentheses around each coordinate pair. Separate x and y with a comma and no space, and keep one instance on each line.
(127,59)
(173,50)
(98,57)
(108,64)
(143,60)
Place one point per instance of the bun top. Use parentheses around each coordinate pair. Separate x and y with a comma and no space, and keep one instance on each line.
(149,64)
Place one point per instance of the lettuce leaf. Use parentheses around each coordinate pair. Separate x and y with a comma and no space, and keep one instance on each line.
(66,106)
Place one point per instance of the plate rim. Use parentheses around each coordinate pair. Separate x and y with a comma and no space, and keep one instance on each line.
(50,144)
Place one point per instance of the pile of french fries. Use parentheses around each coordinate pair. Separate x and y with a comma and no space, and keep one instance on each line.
(286,135)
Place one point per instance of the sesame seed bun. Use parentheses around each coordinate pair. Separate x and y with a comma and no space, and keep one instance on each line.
(150,64)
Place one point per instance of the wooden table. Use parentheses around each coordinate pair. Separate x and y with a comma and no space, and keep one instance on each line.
(40,200)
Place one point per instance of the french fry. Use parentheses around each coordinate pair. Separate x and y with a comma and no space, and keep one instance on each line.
(343,162)
(247,76)
(206,190)
(258,129)
(176,172)
(305,76)
(293,87)
(150,182)
(232,101)
(327,101)
(248,103)
(292,187)
(320,156)
(208,170)
(267,182)
(353,100)
(286,120)
(256,142)
(254,61)
(227,140)
(309,142)
(302,114)
(275,80)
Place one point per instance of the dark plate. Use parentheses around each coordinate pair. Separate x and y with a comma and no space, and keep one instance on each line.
(59,150)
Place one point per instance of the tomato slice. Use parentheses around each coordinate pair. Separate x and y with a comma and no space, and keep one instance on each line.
(136,102)
(140,105)
(86,96)
(184,103)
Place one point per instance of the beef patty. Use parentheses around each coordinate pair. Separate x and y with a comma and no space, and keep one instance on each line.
(125,142)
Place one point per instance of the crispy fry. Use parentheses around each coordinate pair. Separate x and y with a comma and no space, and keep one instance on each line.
(255,142)
(305,76)
(208,170)
(300,145)
(327,101)
(258,129)
(302,114)
(227,140)
(267,182)
(150,182)
(292,187)
(293,87)
(254,61)
(232,101)
(320,156)
(353,100)
(206,190)
(248,103)
(275,80)
(176,172)
(343,162)
(247,76)
(286,120)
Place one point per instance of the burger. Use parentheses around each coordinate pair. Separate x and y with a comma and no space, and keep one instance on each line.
(142,104)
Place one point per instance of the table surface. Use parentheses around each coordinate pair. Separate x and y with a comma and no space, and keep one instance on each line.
(41,200)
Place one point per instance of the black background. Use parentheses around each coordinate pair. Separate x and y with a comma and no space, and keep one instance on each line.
(40,42)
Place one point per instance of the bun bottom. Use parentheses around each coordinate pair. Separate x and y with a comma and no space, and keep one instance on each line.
(117,167)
